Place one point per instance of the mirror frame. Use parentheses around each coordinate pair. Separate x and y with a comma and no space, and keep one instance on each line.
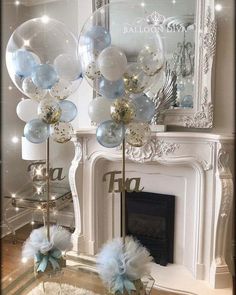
(201,115)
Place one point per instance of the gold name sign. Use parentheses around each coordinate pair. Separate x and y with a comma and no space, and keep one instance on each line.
(131,184)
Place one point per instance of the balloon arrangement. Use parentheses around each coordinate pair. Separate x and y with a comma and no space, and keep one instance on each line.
(124,110)
(42,62)
(123,113)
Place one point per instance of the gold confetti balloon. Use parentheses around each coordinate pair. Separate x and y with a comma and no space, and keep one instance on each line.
(135,80)
(151,60)
(92,71)
(63,89)
(122,111)
(61,132)
(49,110)
(138,134)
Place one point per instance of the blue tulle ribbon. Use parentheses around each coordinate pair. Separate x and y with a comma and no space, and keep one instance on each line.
(50,257)
(122,283)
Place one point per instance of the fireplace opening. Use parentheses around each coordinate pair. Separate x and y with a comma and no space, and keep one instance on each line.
(150,218)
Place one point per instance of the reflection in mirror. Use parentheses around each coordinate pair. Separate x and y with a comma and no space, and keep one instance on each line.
(174,25)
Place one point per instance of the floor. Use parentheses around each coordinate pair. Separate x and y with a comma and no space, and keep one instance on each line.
(12,266)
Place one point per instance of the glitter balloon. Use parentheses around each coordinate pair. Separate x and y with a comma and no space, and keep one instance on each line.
(61,132)
(63,89)
(151,60)
(33,91)
(136,81)
(49,110)
(122,111)
(138,134)
(92,71)
(36,131)
(110,134)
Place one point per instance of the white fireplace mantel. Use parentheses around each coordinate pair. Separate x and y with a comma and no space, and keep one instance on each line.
(209,156)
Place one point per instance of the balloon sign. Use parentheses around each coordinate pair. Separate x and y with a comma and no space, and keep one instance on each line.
(118,65)
(43,63)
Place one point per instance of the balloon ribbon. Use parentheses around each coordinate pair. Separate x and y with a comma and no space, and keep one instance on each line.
(51,256)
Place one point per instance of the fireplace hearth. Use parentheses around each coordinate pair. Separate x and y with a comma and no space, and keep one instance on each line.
(150,218)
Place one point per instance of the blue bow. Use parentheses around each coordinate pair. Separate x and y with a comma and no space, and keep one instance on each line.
(122,283)
(51,256)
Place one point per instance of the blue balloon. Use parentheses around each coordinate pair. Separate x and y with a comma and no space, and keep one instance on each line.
(111,89)
(145,108)
(44,76)
(110,134)
(187,101)
(23,62)
(97,38)
(69,111)
(36,131)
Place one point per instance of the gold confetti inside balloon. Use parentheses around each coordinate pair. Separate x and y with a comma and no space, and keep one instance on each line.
(49,110)
(61,132)
(122,111)
(136,81)
(138,134)
(92,72)
(151,60)
(61,89)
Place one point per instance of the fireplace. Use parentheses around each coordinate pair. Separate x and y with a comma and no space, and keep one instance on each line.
(150,218)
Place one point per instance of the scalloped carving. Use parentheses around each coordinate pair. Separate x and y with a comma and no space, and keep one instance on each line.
(152,151)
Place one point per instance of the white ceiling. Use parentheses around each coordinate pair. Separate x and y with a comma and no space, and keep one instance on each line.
(35,2)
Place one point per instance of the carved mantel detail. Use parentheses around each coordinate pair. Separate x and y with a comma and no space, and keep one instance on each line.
(151,151)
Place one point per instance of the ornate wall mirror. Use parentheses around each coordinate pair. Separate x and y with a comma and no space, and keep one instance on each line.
(189,34)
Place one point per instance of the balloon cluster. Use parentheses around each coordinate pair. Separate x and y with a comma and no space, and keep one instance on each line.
(124,110)
(42,62)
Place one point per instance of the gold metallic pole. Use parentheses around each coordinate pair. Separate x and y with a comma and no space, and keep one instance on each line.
(123,192)
(48,189)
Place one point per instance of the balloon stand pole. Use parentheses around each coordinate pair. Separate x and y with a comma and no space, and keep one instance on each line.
(48,189)
(123,230)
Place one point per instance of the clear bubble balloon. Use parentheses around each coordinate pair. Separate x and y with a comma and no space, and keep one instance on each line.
(63,88)
(99,110)
(61,132)
(136,81)
(44,76)
(27,110)
(138,134)
(110,134)
(49,110)
(36,131)
(23,62)
(111,89)
(32,50)
(67,67)
(130,34)
(123,111)
(68,111)
(33,91)
(145,108)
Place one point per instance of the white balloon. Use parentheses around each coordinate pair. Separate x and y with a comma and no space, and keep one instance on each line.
(67,67)
(99,109)
(33,91)
(112,63)
(27,110)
